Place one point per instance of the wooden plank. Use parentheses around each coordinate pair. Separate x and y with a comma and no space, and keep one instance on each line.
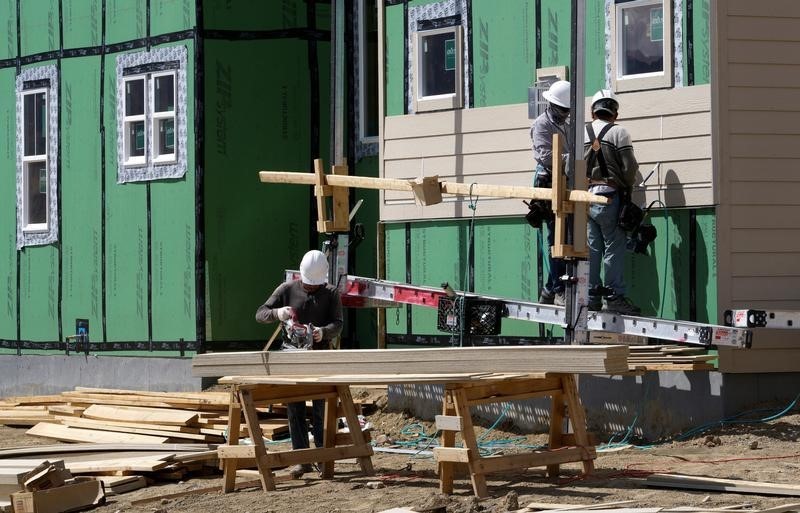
(65,409)
(25,421)
(101,426)
(721,485)
(140,464)
(141,415)
(448,423)
(595,359)
(76,398)
(451,454)
(220,398)
(533,459)
(115,485)
(568,507)
(97,422)
(69,434)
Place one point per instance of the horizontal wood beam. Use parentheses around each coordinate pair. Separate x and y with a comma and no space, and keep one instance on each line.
(453,188)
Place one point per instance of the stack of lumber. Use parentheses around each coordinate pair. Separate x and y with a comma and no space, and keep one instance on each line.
(670,357)
(96,415)
(121,467)
(593,359)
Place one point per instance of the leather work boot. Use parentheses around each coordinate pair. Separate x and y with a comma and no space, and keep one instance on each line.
(298,470)
(595,304)
(621,305)
(546,297)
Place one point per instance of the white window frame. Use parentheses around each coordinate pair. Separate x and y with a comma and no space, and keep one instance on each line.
(642,81)
(128,120)
(27,160)
(166,158)
(362,81)
(32,81)
(447,101)
(158,62)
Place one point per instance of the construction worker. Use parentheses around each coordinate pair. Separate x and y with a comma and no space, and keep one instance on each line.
(309,302)
(553,120)
(611,166)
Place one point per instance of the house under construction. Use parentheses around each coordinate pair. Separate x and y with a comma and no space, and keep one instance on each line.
(134,131)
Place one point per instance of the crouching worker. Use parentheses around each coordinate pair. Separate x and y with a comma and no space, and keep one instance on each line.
(311,311)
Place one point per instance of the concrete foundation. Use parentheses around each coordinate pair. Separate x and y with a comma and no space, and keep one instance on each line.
(663,404)
(51,374)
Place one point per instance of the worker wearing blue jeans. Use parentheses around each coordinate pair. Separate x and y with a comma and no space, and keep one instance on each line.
(553,120)
(607,245)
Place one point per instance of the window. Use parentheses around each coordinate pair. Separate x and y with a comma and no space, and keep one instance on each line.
(438,69)
(151,114)
(643,45)
(149,99)
(366,78)
(37,151)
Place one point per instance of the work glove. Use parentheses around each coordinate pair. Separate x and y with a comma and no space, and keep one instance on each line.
(285,313)
(317,334)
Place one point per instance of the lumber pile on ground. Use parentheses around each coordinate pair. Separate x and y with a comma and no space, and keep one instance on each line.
(124,416)
(670,357)
(588,359)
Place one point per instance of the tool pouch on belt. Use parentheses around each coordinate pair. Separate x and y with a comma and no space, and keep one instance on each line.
(630,214)
(540,211)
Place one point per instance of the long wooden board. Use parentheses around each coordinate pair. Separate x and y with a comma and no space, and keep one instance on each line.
(70,434)
(594,359)
(722,485)
(142,430)
(164,416)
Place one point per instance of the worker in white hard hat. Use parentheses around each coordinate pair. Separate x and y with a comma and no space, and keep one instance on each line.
(310,302)
(553,120)
(611,166)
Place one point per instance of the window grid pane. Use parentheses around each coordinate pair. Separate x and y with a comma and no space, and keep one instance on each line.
(135,138)
(166,136)
(134,97)
(36,192)
(642,39)
(439,64)
(35,124)
(164,94)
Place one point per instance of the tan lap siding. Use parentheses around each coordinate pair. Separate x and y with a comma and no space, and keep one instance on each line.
(492,145)
(757,164)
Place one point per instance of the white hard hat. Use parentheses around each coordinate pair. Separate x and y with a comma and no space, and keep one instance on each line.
(558,94)
(314,268)
(604,100)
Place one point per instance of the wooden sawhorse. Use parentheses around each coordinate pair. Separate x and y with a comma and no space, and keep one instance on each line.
(562,448)
(246,391)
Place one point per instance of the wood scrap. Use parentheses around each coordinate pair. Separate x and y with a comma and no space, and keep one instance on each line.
(721,485)
(115,485)
(568,507)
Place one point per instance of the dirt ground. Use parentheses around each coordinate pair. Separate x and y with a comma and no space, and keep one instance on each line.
(767,452)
